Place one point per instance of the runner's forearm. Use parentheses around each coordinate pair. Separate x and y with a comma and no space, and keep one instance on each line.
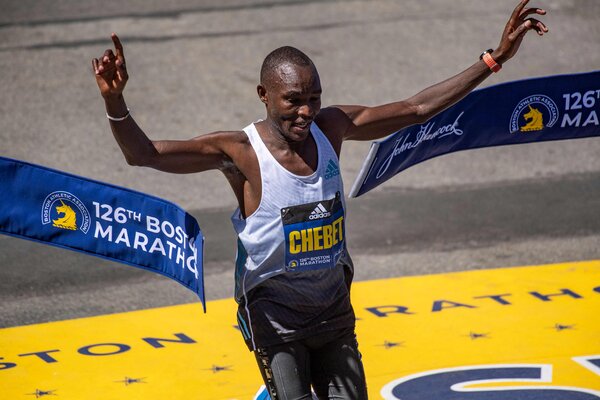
(437,98)
(135,145)
(369,123)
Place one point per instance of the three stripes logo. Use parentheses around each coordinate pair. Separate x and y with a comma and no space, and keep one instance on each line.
(332,170)
(319,212)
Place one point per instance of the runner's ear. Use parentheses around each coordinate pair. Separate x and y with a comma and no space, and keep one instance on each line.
(262,93)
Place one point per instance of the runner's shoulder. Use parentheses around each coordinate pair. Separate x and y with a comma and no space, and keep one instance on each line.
(334,123)
(332,114)
(236,148)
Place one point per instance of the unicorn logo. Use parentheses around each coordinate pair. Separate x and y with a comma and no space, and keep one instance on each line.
(69,209)
(69,218)
(539,112)
(535,120)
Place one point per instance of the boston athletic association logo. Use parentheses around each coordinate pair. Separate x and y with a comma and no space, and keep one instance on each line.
(65,211)
(534,113)
(69,218)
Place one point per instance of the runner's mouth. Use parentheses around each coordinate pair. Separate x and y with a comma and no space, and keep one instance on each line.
(302,125)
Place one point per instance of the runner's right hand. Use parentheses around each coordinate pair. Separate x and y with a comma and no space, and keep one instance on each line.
(110,70)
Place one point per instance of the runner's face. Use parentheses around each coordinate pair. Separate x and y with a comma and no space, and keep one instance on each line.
(293,100)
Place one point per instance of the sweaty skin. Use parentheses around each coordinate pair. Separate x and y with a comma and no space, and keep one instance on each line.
(292,98)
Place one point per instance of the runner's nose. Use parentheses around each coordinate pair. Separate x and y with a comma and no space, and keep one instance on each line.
(306,111)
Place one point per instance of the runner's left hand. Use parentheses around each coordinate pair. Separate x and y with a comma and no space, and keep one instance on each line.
(518,25)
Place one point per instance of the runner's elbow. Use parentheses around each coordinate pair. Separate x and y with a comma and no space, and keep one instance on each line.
(138,161)
(141,156)
(131,161)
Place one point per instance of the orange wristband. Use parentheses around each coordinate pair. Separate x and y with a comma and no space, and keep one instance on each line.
(491,63)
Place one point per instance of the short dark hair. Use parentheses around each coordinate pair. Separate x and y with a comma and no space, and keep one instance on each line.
(282,55)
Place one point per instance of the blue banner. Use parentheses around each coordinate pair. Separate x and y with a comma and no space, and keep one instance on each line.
(532,110)
(103,220)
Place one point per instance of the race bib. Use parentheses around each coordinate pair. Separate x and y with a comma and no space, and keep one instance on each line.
(314,234)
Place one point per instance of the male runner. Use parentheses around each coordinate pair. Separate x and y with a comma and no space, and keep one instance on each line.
(293,272)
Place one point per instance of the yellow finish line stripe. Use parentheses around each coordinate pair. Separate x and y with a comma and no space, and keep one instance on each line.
(527,315)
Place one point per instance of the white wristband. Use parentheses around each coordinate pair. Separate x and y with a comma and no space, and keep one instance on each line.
(119,118)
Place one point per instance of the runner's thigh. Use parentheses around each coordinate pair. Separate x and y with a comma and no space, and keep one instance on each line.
(337,370)
(286,371)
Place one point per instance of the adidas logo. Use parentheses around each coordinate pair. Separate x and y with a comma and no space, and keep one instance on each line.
(319,212)
(332,170)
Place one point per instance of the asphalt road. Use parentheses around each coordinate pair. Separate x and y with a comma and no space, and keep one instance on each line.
(194,67)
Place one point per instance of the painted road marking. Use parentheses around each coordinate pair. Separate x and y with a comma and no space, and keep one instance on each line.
(534,327)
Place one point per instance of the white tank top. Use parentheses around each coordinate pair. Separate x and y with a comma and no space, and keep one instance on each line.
(299,223)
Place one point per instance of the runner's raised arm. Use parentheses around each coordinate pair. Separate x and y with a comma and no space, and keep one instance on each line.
(181,156)
(368,123)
